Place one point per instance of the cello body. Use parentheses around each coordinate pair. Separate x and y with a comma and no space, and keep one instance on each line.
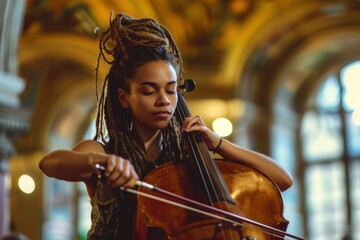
(256,197)
(221,184)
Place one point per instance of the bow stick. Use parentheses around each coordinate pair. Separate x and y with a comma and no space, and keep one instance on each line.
(270,230)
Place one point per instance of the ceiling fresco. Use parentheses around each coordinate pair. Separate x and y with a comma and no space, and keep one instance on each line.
(233,48)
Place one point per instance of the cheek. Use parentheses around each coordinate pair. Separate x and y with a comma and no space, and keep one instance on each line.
(141,105)
(175,100)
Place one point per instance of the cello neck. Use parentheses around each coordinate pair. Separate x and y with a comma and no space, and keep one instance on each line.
(202,165)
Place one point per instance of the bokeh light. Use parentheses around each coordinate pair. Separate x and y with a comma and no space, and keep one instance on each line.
(222,126)
(356,116)
(26,184)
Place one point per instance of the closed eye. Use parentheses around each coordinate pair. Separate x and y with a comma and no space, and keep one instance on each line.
(148,93)
(172,91)
(149,88)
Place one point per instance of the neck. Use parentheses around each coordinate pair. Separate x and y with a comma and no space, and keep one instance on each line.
(153,140)
(151,143)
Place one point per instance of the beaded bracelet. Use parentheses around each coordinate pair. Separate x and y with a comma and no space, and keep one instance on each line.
(217,147)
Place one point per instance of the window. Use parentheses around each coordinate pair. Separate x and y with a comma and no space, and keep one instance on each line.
(330,136)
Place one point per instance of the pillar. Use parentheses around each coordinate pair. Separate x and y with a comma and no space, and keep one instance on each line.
(13,119)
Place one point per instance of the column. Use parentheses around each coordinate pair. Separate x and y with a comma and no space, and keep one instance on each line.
(13,119)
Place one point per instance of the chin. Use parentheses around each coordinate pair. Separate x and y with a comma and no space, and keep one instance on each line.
(162,125)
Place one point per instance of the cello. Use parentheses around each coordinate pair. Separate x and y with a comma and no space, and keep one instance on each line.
(206,198)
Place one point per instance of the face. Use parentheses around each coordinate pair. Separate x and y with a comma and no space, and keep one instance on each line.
(153,96)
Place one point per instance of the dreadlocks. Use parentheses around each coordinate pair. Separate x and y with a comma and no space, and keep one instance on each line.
(127,44)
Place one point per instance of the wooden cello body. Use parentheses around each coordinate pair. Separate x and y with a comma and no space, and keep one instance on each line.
(220,184)
(256,197)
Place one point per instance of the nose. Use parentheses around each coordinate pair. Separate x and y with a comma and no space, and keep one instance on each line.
(163,99)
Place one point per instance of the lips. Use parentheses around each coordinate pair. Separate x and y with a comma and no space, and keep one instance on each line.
(162,114)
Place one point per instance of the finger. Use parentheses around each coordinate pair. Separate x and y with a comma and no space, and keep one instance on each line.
(119,178)
(196,120)
(200,120)
(132,180)
(191,122)
(110,165)
(127,178)
(117,171)
(197,128)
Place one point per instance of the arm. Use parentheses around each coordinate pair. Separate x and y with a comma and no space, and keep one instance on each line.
(74,165)
(256,160)
(79,163)
(230,151)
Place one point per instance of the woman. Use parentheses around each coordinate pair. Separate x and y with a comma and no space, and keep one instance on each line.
(136,130)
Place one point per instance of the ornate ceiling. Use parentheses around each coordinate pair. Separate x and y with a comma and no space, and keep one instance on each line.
(217,38)
(261,50)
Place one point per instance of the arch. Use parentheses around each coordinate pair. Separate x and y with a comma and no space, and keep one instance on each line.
(272,46)
(68,94)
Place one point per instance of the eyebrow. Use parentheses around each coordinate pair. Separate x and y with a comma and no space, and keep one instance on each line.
(154,84)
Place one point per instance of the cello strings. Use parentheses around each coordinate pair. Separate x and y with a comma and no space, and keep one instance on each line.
(191,144)
(219,211)
(254,227)
(183,111)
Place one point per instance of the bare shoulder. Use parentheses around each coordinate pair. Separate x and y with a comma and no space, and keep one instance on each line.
(89,146)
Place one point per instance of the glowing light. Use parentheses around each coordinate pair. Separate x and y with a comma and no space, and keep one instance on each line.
(352,99)
(222,126)
(26,184)
(356,117)
(350,78)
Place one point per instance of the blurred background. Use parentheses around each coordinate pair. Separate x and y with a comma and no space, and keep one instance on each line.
(281,77)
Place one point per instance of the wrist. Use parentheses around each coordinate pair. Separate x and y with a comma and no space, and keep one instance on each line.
(91,161)
(217,146)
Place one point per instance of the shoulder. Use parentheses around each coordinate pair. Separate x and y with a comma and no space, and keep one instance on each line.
(89,146)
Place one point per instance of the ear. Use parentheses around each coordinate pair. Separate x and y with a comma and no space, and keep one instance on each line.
(123,98)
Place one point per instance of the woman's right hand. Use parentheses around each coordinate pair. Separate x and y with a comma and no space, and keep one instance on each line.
(119,172)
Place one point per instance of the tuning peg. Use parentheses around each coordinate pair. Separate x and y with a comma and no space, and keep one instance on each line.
(188,85)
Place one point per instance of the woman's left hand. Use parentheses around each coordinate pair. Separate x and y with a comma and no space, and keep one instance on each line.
(196,123)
